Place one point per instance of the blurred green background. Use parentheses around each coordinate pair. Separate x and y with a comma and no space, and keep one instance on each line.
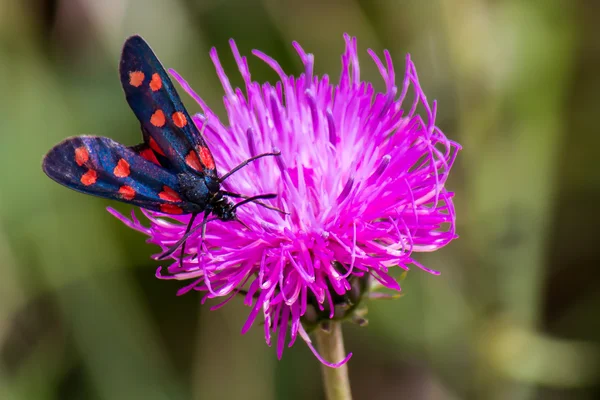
(515,313)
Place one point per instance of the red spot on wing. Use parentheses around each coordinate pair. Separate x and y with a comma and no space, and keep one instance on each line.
(193,162)
(169,194)
(158,119)
(179,119)
(170,209)
(122,169)
(154,146)
(136,78)
(206,157)
(149,155)
(156,82)
(127,192)
(89,178)
(81,155)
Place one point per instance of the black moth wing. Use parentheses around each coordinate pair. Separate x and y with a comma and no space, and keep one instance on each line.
(103,167)
(151,152)
(168,128)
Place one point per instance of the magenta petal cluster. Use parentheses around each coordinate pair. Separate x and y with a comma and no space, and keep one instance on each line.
(361,173)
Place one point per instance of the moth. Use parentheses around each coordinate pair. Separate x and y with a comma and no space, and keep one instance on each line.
(172,171)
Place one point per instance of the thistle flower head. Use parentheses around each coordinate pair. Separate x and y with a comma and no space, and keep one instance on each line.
(361,174)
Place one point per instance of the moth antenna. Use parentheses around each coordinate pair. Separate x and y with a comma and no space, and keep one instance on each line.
(254,198)
(246,162)
(260,203)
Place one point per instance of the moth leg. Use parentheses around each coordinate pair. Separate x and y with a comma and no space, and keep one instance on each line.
(187,229)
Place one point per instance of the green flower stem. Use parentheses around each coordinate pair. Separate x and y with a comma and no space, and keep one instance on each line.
(331,347)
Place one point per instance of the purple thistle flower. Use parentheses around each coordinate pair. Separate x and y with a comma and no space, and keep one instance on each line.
(361,177)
